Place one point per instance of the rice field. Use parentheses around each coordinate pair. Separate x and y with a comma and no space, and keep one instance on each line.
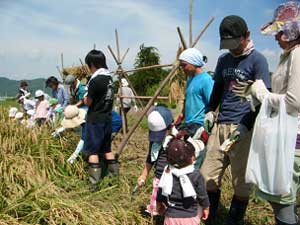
(38,186)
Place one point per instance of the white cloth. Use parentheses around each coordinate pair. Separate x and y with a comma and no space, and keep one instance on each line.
(249,48)
(166,181)
(192,56)
(101,71)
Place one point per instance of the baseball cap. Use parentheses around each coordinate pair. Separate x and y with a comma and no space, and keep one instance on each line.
(159,120)
(232,28)
(39,93)
(69,79)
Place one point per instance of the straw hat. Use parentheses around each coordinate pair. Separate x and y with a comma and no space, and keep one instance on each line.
(73,117)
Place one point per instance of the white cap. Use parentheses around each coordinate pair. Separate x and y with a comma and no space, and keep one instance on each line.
(39,93)
(12,112)
(124,82)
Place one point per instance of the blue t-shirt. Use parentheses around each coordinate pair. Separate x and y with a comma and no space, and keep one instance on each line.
(228,70)
(197,94)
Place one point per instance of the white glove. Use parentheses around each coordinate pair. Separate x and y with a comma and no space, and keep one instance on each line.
(209,120)
(135,108)
(72,158)
(55,134)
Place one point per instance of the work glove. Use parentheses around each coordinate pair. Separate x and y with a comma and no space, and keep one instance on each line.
(239,133)
(244,90)
(72,158)
(135,108)
(209,120)
(58,132)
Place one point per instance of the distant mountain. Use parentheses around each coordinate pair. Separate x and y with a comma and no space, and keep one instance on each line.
(10,87)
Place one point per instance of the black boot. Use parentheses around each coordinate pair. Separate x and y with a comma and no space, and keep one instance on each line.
(112,167)
(94,175)
(214,198)
(278,222)
(237,211)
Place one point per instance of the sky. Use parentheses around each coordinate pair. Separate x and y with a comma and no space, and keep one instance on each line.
(34,33)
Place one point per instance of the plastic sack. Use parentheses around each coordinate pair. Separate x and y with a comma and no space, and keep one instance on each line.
(271,156)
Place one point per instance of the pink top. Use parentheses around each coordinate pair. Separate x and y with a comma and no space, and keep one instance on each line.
(42,109)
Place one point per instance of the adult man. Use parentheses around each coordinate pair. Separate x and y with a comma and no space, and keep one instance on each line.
(58,91)
(198,90)
(99,99)
(235,119)
(77,91)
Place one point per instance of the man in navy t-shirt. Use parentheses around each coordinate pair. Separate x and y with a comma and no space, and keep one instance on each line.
(235,118)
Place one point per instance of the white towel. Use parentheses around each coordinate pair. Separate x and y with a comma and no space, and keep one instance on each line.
(166,181)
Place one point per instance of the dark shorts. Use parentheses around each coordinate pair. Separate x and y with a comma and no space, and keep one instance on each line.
(97,138)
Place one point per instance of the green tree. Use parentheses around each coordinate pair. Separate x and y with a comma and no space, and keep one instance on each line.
(145,82)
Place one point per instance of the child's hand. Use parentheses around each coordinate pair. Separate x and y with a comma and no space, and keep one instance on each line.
(142,180)
(205,213)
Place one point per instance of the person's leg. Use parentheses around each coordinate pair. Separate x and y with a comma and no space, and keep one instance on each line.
(112,163)
(285,214)
(213,169)
(93,137)
(238,155)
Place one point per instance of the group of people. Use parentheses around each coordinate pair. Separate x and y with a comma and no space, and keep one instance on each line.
(218,119)
(214,130)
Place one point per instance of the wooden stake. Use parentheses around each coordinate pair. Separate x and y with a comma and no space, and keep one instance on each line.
(191,23)
(124,55)
(150,103)
(94,46)
(118,46)
(145,97)
(203,31)
(164,82)
(181,38)
(84,67)
(113,55)
(146,68)
(62,60)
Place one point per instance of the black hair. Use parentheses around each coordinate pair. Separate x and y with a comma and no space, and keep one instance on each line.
(51,80)
(96,58)
(180,152)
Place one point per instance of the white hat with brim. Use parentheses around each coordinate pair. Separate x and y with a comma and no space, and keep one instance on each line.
(74,121)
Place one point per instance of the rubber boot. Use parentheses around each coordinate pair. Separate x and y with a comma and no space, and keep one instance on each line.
(237,211)
(94,175)
(214,198)
(278,222)
(112,167)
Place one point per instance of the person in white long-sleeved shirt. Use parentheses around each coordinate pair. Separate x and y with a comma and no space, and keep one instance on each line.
(285,84)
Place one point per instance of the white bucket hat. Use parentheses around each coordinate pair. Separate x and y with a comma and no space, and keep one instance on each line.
(12,112)
(39,93)
(73,117)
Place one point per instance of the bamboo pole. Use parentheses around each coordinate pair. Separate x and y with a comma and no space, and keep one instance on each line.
(60,73)
(94,46)
(124,55)
(150,103)
(181,38)
(84,68)
(164,82)
(119,72)
(118,45)
(191,23)
(62,60)
(146,68)
(146,97)
(203,31)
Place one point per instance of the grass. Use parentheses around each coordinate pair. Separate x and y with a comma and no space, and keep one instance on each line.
(37,186)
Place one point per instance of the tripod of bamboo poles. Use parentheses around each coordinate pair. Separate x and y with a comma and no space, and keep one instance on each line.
(122,73)
(166,80)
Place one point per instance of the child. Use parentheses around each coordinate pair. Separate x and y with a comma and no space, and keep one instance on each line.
(42,107)
(55,112)
(159,122)
(182,187)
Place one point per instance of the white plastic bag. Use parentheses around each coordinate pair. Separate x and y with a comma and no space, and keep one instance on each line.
(271,156)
